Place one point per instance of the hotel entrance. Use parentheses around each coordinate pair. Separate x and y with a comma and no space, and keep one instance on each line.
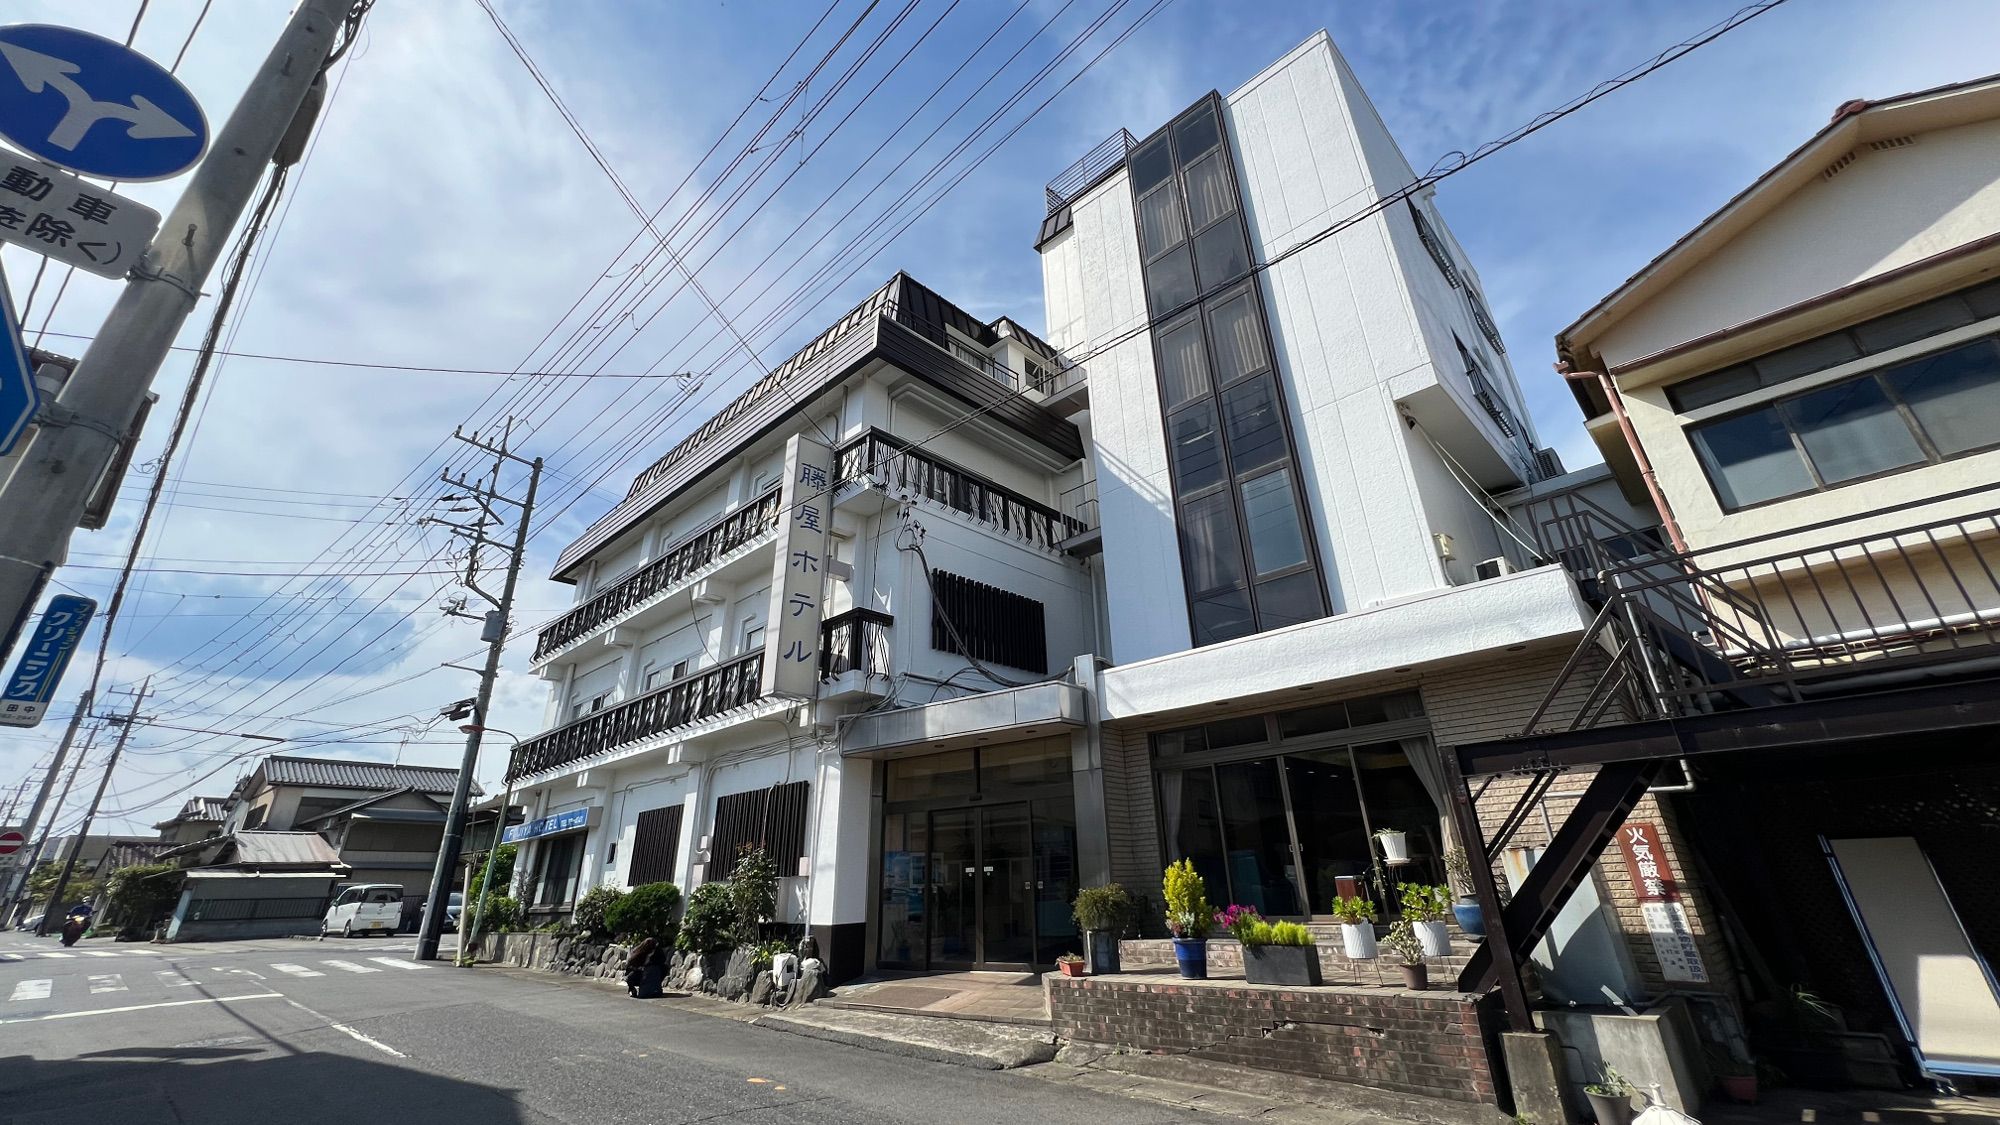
(978,859)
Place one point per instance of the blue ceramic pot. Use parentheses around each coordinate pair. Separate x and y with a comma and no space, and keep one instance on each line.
(1191,954)
(1470,918)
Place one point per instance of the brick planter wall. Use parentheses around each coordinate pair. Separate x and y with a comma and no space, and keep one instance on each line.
(1432,1044)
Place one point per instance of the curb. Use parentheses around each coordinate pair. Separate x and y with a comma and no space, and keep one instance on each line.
(1017,1053)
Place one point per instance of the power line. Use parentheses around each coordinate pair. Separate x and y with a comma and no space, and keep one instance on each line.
(420,368)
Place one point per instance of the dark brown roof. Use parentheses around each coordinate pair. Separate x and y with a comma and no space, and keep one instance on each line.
(333,773)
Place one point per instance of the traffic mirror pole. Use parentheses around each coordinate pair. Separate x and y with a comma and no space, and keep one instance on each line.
(77,434)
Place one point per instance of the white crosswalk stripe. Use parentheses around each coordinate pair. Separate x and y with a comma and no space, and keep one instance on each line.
(251,973)
(32,990)
(350,966)
(100,953)
(398,963)
(11,957)
(297,970)
(106,982)
(53,953)
(174,978)
(138,953)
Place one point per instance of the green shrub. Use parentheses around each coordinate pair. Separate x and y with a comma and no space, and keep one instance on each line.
(649,910)
(502,913)
(593,909)
(753,891)
(138,896)
(709,923)
(503,870)
(1108,907)
(1354,910)
(1279,933)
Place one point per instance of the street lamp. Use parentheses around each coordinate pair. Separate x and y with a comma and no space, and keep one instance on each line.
(468,936)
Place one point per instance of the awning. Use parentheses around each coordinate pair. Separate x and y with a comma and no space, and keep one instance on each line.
(1035,711)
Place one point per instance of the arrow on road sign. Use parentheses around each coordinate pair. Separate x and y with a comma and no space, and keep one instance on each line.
(38,72)
(19,398)
(94,106)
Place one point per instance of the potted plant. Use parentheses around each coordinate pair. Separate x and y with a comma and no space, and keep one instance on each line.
(1188,915)
(1357,927)
(1458,867)
(1425,907)
(1409,953)
(1737,1078)
(1103,913)
(1395,845)
(1276,952)
(1071,964)
(1610,1098)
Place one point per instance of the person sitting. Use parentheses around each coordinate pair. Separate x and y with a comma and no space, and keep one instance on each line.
(646,969)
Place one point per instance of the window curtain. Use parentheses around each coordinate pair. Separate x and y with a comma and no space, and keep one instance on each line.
(1239,341)
(1170,810)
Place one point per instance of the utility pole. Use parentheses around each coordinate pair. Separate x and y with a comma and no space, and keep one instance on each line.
(42,841)
(103,783)
(494,633)
(78,433)
(19,879)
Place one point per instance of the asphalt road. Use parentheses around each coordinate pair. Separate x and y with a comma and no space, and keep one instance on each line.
(300,1031)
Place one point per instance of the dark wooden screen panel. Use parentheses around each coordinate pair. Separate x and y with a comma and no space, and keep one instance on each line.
(656,846)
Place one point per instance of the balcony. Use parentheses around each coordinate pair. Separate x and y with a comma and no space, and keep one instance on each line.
(691,699)
(854,649)
(684,560)
(899,470)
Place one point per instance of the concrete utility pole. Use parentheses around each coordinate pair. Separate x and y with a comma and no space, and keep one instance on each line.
(103,783)
(41,843)
(79,432)
(19,878)
(494,633)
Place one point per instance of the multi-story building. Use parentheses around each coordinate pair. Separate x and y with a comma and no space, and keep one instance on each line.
(1807,388)
(899,513)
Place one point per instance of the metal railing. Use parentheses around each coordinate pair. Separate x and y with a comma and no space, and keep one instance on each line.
(1079,502)
(686,557)
(896,466)
(690,699)
(1075,179)
(1713,630)
(855,639)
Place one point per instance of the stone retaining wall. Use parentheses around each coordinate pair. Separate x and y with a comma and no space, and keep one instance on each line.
(728,976)
(1433,1044)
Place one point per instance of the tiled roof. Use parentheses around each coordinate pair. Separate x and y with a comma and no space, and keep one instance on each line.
(200,810)
(333,773)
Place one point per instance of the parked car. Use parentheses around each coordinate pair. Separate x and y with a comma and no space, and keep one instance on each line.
(32,923)
(365,908)
(451,912)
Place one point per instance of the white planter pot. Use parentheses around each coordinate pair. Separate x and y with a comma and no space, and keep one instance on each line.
(1395,847)
(1359,938)
(1435,937)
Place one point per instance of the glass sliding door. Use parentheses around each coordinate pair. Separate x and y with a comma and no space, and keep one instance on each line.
(954,863)
(1333,836)
(1007,886)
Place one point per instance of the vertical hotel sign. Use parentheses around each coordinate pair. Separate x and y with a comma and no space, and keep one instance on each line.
(791,663)
(1660,903)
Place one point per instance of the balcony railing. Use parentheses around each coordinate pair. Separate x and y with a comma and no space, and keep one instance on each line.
(1073,180)
(855,640)
(687,557)
(1079,502)
(893,464)
(690,699)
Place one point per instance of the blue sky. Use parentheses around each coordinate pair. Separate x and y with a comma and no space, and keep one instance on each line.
(447,217)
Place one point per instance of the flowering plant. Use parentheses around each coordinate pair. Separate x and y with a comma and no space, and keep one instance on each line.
(1240,921)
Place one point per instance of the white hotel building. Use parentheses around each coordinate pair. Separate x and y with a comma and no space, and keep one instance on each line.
(1211,572)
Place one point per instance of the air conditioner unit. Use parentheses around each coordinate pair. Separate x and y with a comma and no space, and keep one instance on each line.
(1493,568)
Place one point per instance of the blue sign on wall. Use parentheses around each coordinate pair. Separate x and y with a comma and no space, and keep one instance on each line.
(47,653)
(95,106)
(571,821)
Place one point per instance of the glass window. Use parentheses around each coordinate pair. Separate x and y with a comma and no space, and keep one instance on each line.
(1984,300)
(1221,615)
(1197,452)
(1150,164)
(949,774)
(1388,708)
(1170,282)
(1333,836)
(1245,731)
(1041,762)
(1193,823)
(1276,539)
(1806,358)
(1209,544)
(1714,387)
(1208,194)
(1260,840)
(1160,226)
(1188,741)
(1196,134)
(1312,720)
(1913,324)
(1750,458)
(1289,600)
(1256,431)
(1183,362)
(1220,256)
(1851,430)
(1238,339)
(1954,394)
(905,846)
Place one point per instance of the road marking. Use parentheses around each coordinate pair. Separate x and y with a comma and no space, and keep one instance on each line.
(106,982)
(348,1031)
(245,972)
(174,978)
(32,990)
(397,962)
(100,953)
(139,953)
(350,966)
(144,1008)
(297,970)
(64,956)
(11,957)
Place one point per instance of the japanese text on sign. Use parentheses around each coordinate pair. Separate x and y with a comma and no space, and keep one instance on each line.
(43,659)
(57,215)
(1652,879)
(798,589)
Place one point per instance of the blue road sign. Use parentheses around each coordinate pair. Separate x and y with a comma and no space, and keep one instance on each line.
(18,396)
(94,106)
(47,654)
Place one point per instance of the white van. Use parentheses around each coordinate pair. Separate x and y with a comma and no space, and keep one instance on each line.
(365,908)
